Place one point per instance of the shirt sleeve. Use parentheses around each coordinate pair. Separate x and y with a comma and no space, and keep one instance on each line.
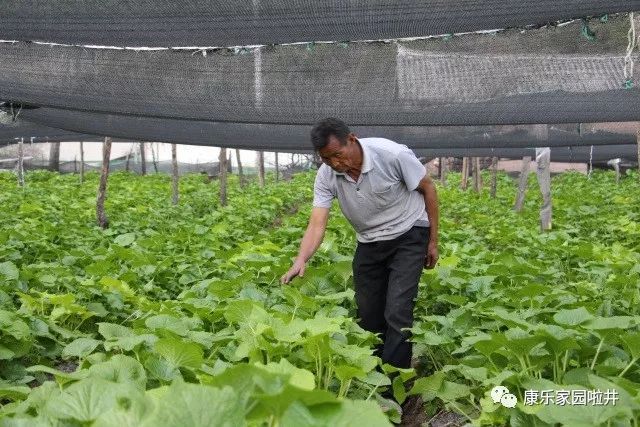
(410,169)
(323,194)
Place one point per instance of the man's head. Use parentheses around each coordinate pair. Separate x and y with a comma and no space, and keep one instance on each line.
(337,145)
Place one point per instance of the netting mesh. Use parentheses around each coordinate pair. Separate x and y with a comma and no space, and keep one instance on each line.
(597,154)
(241,22)
(570,142)
(296,137)
(477,80)
(464,93)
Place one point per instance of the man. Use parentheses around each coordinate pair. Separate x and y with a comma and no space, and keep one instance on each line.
(385,194)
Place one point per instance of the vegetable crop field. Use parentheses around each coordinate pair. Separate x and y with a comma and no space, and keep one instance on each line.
(175,316)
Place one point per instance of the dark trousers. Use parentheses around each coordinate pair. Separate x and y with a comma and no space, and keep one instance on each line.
(386,276)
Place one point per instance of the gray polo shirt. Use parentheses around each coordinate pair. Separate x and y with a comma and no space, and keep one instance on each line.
(383,203)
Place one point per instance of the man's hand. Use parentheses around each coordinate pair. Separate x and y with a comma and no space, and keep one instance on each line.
(431,258)
(297,269)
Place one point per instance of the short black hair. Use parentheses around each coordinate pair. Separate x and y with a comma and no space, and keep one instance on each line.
(325,128)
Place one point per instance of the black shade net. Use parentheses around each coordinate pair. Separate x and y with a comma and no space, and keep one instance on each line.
(596,154)
(555,75)
(570,142)
(272,137)
(243,22)
(32,132)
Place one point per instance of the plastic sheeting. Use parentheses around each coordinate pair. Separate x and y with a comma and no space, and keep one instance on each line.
(242,22)
(542,76)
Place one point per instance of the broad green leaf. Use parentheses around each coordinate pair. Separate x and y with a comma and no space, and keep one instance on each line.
(626,400)
(376,378)
(432,338)
(180,353)
(432,383)
(346,372)
(572,317)
(11,324)
(510,319)
(632,341)
(298,415)
(13,392)
(6,353)
(118,286)
(613,322)
(121,369)
(451,391)
(399,391)
(475,374)
(80,348)
(579,416)
(125,239)
(183,404)
(349,413)
(170,323)
(300,378)
(60,376)
(161,369)
(9,271)
(85,400)
(130,342)
(112,331)
(131,413)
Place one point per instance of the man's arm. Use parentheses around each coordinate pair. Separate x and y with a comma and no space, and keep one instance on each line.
(428,190)
(310,243)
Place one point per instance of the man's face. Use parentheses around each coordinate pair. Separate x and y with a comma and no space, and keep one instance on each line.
(338,156)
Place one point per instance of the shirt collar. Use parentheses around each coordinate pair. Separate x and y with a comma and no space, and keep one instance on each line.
(367,164)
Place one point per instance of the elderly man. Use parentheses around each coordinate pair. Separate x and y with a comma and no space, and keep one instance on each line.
(384,192)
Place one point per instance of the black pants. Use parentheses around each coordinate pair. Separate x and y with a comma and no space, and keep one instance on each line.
(386,276)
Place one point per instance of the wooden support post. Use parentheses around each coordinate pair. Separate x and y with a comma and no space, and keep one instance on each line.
(54,157)
(126,165)
(81,162)
(477,178)
(240,174)
(465,173)
(616,167)
(444,168)
(638,144)
(260,161)
(143,159)
(175,197)
(522,184)
(222,173)
(154,156)
(543,160)
(494,176)
(20,164)
(103,221)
